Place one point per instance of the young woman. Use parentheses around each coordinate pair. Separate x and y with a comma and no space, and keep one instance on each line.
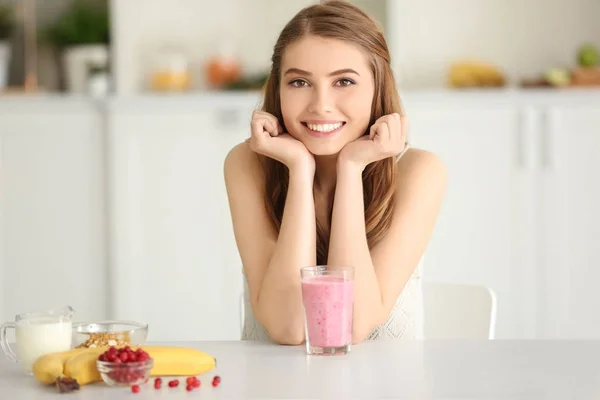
(327,178)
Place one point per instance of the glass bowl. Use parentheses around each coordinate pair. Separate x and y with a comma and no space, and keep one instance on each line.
(125,374)
(109,333)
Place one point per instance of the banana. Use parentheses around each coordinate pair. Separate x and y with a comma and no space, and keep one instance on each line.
(82,367)
(51,366)
(179,361)
(168,361)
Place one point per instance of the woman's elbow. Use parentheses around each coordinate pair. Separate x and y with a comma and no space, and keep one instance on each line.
(287,336)
(361,330)
(359,336)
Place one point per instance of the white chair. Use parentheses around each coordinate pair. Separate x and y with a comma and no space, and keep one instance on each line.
(458,311)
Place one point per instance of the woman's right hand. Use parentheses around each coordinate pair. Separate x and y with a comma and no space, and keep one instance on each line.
(269,140)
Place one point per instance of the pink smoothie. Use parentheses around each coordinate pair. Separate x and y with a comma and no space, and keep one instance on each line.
(329,302)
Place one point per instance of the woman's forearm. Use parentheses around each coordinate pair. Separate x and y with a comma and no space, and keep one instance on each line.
(348,247)
(280,308)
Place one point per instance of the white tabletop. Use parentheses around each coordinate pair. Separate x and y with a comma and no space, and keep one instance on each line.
(373,370)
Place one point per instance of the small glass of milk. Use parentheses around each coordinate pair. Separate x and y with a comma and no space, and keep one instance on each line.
(38,333)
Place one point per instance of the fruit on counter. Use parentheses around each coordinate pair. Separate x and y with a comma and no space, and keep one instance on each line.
(558,76)
(49,367)
(80,364)
(587,55)
(179,361)
(474,74)
(82,367)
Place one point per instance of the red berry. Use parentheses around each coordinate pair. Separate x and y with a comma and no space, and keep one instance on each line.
(189,388)
(159,380)
(157,384)
(174,383)
(135,388)
(190,379)
(217,380)
(196,383)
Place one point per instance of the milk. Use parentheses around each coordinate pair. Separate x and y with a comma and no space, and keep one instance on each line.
(39,336)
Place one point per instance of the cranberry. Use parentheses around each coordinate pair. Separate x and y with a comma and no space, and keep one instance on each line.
(135,389)
(216,380)
(190,380)
(157,384)
(196,383)
(158,380)
(174,383)
(189,388)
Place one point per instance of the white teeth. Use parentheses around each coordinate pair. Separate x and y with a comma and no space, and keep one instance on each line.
(324,127)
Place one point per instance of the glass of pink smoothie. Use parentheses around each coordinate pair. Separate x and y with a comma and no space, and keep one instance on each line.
(328,298)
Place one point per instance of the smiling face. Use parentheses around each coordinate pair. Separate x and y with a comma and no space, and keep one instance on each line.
(326,93)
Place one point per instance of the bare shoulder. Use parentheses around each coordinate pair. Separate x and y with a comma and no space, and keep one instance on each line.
(242,161)
(421,170)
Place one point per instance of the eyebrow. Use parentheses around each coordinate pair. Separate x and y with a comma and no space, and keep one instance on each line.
(334,73)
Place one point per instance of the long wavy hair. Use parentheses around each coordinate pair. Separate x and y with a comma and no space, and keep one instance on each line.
(342,21)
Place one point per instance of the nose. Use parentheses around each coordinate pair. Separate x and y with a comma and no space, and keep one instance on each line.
(320,101)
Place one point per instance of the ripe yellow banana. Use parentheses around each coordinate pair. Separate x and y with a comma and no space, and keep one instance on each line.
(82,367)
(51,366)
(168,361)
(179,361)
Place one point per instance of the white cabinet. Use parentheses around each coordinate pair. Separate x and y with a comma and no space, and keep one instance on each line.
(570,223)
(482,224)
(521,211)
(174,259)
(52,208)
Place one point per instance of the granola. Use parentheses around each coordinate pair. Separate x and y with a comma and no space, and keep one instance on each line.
(105,339)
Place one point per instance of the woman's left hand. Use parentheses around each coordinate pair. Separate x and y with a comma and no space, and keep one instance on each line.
(386,138)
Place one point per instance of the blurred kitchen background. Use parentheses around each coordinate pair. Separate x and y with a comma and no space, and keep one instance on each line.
(115,119)
(197,45)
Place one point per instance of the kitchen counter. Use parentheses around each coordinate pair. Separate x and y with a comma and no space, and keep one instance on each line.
(373,370)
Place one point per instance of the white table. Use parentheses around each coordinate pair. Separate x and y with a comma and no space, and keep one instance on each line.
(373,370)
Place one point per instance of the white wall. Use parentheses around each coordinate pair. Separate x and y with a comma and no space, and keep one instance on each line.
(524,37)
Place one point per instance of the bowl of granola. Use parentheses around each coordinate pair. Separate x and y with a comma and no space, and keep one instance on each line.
(109,333)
